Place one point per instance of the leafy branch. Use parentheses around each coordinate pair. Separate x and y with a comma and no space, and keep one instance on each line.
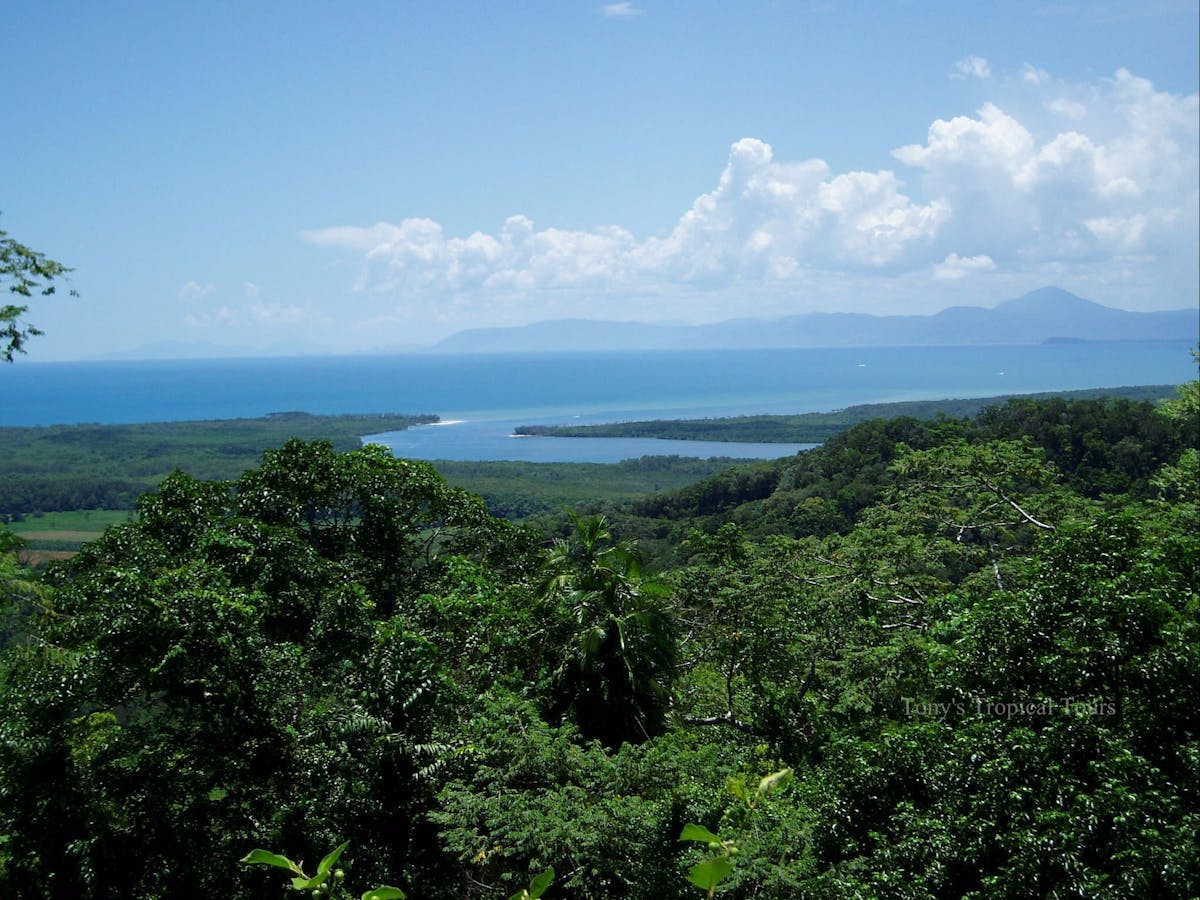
(710,872)
(327,882)
(26,273)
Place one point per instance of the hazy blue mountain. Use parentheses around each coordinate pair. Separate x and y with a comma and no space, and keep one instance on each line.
(1048,313)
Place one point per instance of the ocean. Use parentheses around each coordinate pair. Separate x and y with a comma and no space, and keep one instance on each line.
(485,396)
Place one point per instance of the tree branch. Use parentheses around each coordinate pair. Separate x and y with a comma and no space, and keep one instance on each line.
(723,719)
(1026,516)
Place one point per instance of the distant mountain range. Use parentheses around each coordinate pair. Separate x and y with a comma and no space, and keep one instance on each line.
(1047,314)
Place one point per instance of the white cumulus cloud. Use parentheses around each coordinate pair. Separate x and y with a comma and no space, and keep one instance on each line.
(1044,196)
(765,221)
(1068,109)
(993,139)
(1110,181)
(770,219)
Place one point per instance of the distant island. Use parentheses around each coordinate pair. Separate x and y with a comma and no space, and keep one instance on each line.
(1049,314)
(817,427)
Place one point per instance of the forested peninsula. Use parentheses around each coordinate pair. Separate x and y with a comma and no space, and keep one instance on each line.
(945,657)
(815,427)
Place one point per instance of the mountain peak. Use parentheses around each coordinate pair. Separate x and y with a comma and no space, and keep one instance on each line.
(1049,299)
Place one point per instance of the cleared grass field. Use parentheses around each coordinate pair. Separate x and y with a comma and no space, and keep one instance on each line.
(88,521)
(37,558)
(59,535)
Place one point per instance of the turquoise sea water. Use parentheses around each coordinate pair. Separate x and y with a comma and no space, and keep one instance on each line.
(489,394)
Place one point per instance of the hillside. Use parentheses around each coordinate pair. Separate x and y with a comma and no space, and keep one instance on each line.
(1103,445)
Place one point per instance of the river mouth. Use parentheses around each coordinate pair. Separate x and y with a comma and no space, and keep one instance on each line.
(493,440)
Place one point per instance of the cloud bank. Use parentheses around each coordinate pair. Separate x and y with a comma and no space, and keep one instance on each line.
(1099,180)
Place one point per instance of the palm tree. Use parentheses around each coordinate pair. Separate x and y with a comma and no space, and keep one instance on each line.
(616,653)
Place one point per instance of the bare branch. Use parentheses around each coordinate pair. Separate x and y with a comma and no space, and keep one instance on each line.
(915,626)
(724,719)
(1028,518)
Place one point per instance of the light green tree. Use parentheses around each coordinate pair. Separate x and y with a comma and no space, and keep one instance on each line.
(26,273)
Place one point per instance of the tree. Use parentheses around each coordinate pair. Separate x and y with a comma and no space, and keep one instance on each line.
(748,650)
(233,669)
(19,591)
(26,273)
(1184,410)
(617,640)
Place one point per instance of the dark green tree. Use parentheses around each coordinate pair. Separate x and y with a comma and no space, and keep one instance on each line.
(614,636)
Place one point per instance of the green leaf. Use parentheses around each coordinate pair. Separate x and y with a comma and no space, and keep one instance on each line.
(217,794)
(774,780)
(710,873)
(737,787)
(538,886)
(384,893)
(264,858)
(698,833)
(327,863)
(304,883)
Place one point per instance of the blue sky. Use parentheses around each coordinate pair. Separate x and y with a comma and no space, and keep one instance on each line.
(369,175)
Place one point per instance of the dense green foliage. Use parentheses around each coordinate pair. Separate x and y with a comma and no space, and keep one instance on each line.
(1101,446)
(973,643)
(236,662)
(515,490)
(815,427)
